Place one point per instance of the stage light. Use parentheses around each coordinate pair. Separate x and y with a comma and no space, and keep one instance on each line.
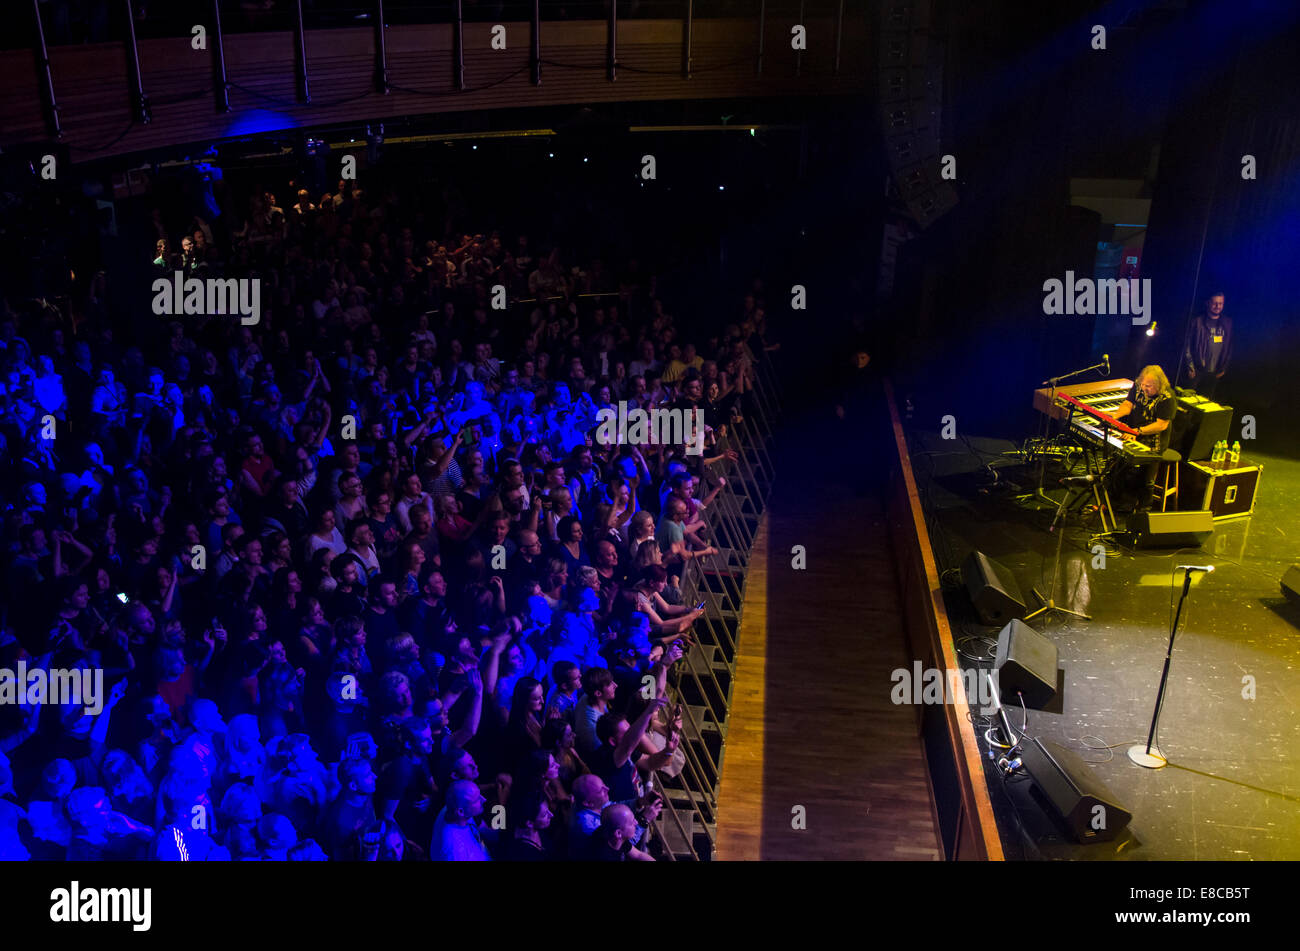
(550,155)
(722,188)
(753,132)
(1151,331)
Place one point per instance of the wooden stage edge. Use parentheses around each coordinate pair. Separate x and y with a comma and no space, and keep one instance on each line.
(977,835)
(740,792)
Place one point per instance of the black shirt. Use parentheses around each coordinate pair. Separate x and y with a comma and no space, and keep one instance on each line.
(407,780)
(426,622)
(623,780)
(1145,412)
(341,824)
(520,851)
(1209,344)
(382,627)
(600,851)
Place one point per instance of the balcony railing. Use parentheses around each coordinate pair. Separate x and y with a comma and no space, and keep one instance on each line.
(158,81)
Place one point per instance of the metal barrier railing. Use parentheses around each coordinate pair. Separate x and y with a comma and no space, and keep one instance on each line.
(702,681)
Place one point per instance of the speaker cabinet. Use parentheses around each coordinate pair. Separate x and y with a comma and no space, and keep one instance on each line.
(992,588)
(1197,426)
(1026,665)
(910,84)
(1170,529)
(1291,584)
(1067,788)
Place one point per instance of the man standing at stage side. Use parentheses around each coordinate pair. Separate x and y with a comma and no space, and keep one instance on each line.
(1209,346)
(863,433)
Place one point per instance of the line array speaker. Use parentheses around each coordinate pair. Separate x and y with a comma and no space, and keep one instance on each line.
(910,106)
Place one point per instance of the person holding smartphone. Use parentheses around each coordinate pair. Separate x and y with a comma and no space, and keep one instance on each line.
(665,620)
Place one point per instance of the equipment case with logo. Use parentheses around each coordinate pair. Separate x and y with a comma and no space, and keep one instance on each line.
(1228,493)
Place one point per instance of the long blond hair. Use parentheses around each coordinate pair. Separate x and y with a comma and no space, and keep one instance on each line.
(1158,375)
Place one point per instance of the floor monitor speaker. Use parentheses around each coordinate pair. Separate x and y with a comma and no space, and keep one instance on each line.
(1026,664)
(1170,529)
(1068,788)
(992,588)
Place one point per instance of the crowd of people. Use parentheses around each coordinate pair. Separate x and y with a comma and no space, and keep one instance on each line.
(361,582)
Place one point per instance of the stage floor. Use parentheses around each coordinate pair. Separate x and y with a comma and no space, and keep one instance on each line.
(1230,727)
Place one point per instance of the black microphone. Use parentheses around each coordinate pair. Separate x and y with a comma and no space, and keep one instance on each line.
(1106,357)
(1079,480)
(1195,568)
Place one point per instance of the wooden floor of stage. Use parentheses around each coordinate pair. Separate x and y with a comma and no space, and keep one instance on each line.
(811,724)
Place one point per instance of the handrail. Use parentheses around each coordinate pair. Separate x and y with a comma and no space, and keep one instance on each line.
(424,69)
(671,810)
(726,517)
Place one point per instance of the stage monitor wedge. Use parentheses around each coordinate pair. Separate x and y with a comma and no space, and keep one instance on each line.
(1070,790)
(992,588)
(1170,529)
(1026,664)
(1291,584)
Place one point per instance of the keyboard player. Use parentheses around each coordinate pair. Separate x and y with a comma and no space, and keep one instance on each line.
(1150,407)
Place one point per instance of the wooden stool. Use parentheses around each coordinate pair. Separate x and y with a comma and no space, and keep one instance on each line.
(1167,480)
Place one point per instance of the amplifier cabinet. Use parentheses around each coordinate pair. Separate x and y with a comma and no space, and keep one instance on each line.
(1228,493)
(1198,424)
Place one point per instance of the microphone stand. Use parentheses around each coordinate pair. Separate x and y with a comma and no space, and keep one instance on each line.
(1046,429)
(1150,755)
(1049,603)
(1053,381)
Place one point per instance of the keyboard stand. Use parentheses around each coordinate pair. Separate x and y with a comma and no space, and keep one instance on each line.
(1101,481)
(1100,489)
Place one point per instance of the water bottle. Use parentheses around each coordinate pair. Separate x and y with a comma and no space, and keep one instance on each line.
(1235,459)
(1216,457)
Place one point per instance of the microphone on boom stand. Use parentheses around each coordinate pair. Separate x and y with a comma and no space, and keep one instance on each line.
(1060,509)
